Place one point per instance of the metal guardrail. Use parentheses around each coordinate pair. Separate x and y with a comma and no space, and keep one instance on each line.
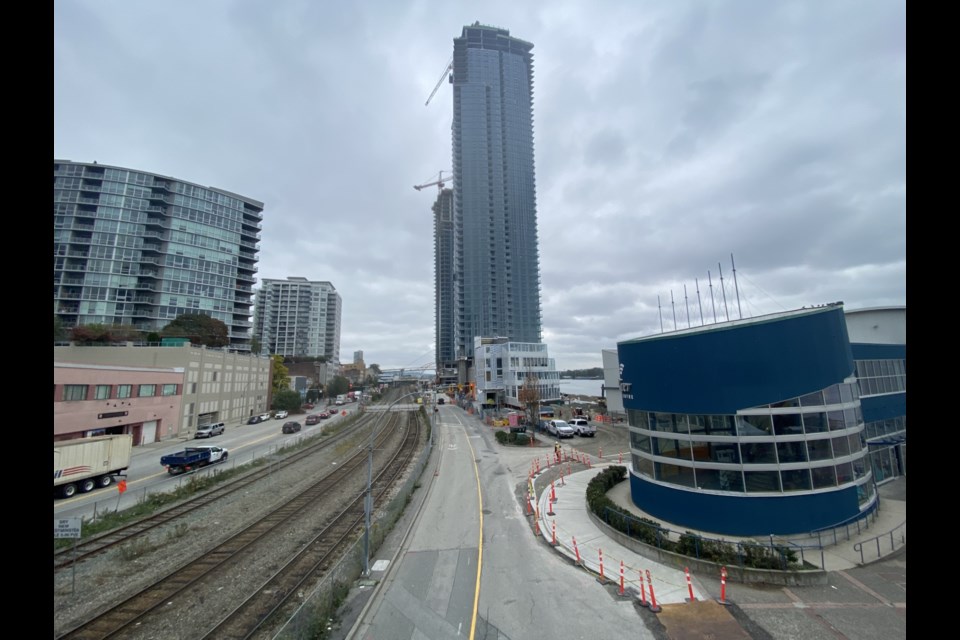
(898,531)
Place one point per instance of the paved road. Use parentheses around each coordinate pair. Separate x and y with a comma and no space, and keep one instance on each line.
(867,602)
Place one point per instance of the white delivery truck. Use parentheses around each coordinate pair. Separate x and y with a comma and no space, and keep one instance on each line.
(85,464)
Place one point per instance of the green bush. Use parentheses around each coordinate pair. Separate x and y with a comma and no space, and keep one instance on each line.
(690,544)
(506,437)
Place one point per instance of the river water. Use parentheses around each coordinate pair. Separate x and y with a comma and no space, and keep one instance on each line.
(580,386)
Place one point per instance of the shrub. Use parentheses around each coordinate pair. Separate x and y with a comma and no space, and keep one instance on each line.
(748,554)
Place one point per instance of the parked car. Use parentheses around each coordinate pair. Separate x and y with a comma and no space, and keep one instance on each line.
(280,415)
(313,418)
(290,427)
(308,405)
(254,420)
(264,417)
(209,430)
(560,429)
(583,427)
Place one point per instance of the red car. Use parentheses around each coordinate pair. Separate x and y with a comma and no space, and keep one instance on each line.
(308,406)
(324,415)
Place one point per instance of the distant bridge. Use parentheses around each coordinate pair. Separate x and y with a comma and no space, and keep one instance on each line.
(413,374)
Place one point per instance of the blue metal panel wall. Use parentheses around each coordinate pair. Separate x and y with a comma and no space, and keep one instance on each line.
(883,407)
(732,367)
(864,351)
(742,516)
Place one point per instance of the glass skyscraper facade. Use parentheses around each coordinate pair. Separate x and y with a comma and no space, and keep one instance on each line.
(139,249)
(443,283)
(496,271)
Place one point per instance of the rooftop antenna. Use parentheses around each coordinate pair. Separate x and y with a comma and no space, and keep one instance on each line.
(699,302)
(660,312)
(712,301)
(724,291)
(735,286)
(674,307)
(686,302)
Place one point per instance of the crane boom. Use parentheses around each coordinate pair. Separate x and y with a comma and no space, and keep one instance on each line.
(443,75)
(439,182)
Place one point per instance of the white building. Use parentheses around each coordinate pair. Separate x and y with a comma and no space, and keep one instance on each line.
(298,317)
(503,367)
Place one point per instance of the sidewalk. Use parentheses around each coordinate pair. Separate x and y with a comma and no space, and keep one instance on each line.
(571,522)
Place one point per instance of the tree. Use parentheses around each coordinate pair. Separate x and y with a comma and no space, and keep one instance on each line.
(337,386)
(375,369)
(281,376)
(255,345)
(103,333)
(287,400)
(199,329)
(529,397)
(59,331)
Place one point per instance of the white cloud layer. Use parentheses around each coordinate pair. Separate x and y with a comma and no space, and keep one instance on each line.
(669,136)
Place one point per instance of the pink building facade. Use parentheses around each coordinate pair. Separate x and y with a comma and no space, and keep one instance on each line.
(90,400)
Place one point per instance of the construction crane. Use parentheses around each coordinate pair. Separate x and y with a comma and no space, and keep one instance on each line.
(446,70)
(439,182)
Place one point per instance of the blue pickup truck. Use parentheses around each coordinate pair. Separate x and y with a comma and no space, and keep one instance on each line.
(193,458)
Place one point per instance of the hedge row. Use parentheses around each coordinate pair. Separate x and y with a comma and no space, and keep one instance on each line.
(745,554)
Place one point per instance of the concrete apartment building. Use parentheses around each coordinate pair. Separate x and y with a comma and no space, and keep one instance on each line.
(215,385)
(297,317)
(136,248)
(503,368)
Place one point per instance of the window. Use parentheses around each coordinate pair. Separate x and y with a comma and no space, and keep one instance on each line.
(102,392)
(124,390)
(169,390)
(147,391)
(74,392)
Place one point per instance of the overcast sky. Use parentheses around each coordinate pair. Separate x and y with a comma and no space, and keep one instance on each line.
(669,136)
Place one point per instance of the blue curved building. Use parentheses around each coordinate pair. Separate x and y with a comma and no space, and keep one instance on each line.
(748,427)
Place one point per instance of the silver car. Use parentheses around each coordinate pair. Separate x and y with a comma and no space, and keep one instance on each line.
(583,427)
(209,430)
(560,429)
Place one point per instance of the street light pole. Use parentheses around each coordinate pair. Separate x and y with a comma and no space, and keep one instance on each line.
(368,500)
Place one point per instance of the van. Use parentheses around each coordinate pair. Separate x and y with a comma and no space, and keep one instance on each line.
(209,430)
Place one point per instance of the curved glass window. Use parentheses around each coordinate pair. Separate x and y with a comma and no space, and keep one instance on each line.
(796,480)
(675,474)
(697,425)
(815,422)
(824,477)
(643,466)
(819,449)
(754,426)
(787,424)
(841,447)
(721,426)
(831,395)
(760,481)
(671,448)
(844,473)
(835,420)
(720,479)
(812,399)
(792,451)
(759,452)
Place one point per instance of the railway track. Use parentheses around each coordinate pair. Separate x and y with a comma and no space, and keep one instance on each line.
(141,610)
(100,544)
